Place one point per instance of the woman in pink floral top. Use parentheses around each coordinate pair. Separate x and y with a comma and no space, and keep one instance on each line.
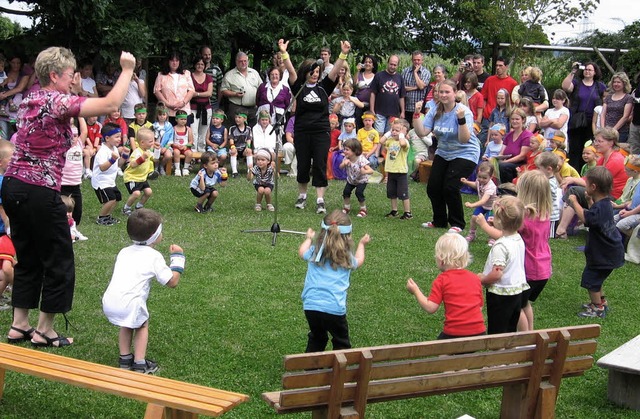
(174,87)
(45,276)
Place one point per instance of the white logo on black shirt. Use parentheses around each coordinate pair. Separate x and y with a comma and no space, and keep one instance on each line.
(312,97)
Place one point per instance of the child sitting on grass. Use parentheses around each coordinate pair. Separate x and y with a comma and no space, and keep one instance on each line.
(459,289)
(240,136)
(330,261)
(164,134)
(125,300)
(182,144)
(138,171)
(262,175)
(358,170)
(495,145)
(632,169)
(203,186)
(487,194)
(604,251)
(590,158)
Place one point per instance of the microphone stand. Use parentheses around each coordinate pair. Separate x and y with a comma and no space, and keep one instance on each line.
(278,128)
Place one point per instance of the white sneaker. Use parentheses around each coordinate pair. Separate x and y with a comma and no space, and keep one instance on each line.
(162,171)
(120,172)
(177,172)
(87,174)
(185,172)
(81,237)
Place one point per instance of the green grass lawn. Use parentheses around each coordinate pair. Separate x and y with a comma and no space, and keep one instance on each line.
(237,310)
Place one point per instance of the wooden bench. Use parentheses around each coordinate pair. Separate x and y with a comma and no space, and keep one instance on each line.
(529,366)
(165,398)
(424,170)
(195,156)
(623,364)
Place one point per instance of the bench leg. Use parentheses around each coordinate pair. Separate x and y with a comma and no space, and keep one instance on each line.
(155,411)
(546,406)
(2,371)
(514,401)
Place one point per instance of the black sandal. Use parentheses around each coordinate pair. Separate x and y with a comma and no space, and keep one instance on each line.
(62,341)
(26,335)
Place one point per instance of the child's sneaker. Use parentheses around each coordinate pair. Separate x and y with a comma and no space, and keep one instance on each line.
(127,211)
(208,208)
(177,173)
(258,207)
(593,311)
(87,174)
(604,303)
(391,214)
(362,213)
(406,216)
(270,207)
(125,362)
(301,203)
(185,172)
(149,367)
(428,224)
(199,209)
(105,221)
(81,237)
(320,208)
(455,230)
(491,242)
(471,236)
(162,171)
(346,210)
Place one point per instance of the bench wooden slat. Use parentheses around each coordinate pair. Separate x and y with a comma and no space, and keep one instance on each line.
(431,365)
(435,348)
(426,385)
(176,395)
(120,375)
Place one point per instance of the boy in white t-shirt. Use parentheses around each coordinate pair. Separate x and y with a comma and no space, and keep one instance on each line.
(125,300)
(105,171)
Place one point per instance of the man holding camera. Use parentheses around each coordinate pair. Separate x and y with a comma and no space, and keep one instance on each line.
(416,80)
(240,86)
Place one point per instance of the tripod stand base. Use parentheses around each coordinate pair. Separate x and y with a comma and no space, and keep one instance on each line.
(275,229)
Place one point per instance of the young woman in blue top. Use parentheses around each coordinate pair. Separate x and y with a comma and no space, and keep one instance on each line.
(457,154)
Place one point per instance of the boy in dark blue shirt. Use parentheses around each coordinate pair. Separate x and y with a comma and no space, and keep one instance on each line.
(604,250)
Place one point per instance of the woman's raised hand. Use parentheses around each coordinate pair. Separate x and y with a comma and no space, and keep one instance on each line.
(345,46)
(127,61)
(283,45)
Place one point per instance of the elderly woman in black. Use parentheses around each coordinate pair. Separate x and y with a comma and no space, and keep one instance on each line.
(312,121)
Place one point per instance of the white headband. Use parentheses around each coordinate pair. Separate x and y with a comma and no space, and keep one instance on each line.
(151,239)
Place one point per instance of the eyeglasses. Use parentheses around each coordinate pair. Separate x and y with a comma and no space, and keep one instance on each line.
(70,75)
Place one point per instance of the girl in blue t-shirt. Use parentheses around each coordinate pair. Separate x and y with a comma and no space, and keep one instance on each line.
(324,297)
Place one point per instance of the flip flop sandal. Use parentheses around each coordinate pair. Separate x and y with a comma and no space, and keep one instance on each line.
(26,335)
(62,341)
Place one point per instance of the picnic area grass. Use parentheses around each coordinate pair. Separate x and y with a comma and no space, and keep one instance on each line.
(237,310)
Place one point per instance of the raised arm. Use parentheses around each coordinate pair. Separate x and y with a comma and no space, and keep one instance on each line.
(293,76)
(345,47)
(96,106)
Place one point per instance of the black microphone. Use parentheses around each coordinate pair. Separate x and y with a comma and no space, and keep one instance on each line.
(317,64)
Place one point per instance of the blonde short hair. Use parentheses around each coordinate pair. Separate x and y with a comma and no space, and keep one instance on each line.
(452,250)
(6,148)
(56,59)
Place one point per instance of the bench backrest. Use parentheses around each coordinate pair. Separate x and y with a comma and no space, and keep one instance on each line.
(520,362)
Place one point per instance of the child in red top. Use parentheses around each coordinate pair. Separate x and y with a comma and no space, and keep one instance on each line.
(459,289)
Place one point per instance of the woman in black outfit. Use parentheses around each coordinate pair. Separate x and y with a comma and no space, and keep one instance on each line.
(312,121)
